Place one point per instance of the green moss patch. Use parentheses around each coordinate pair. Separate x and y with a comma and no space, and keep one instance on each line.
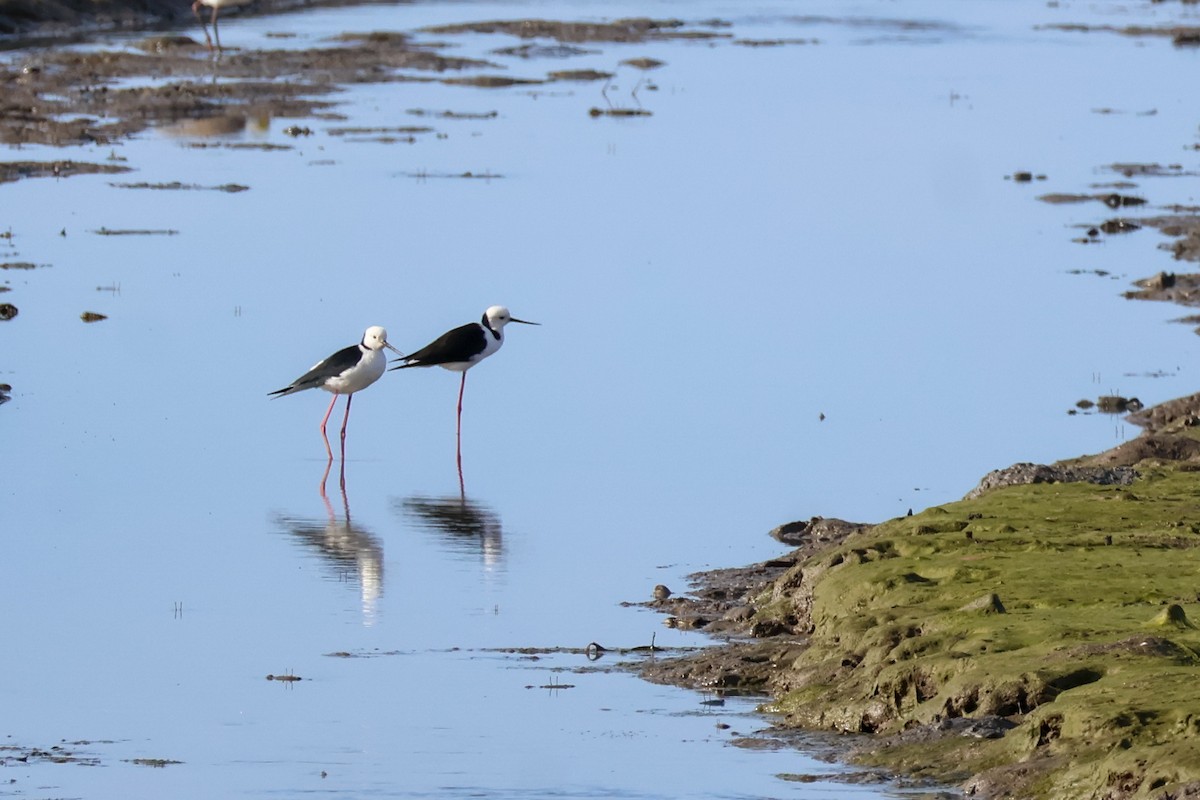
(1069,609)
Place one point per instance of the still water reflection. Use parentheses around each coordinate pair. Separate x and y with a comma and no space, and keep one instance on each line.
(466,526)
(352,552)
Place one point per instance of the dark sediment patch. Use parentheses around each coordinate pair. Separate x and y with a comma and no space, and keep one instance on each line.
(174,186)
(639,29)
(15,170)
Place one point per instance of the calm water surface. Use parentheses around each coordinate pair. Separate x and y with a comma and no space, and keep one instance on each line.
(819,228)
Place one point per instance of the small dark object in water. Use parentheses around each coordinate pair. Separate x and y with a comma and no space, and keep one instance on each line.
(1022,177)
(7,311)
(1114,404)
(1118,200)
(92,316)
(1119,226)
(618,112)
(297,130)
(661,592)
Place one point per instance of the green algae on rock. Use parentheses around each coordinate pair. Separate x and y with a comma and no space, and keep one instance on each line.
(1035,640)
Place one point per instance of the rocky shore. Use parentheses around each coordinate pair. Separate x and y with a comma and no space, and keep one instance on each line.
(1037,639)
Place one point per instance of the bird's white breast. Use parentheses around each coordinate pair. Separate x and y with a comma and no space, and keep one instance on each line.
(368,370)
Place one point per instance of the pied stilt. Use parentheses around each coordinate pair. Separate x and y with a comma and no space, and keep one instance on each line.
(347,371)
(464,347)
(216,6)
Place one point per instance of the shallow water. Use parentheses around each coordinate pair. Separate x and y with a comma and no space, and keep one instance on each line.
(801,230)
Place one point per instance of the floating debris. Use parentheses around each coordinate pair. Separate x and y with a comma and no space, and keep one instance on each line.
(135,232)
(239,146)
(177,186)
(581,75)
(287,678)
(544,51)
(1149,170)
(1022,176)
(20,265)
(421,112)
(490,81)
(422,175)
(643,63)
(92,316)
(158,763)
(7,311)
(618,112)
(389,129)
(1112,199)
(1119,226)
(15,170)
(773,42)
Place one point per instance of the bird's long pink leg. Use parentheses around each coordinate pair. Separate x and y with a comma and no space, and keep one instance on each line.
(345,422)
(216,33)
(325,477)
(458,430)
(328,411)
(200,19)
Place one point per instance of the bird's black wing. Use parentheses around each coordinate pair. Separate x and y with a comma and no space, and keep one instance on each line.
(456,345)
(331,367)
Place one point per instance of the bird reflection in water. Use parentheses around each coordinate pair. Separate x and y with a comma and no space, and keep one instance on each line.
(220,126)
(354,553)
(469,526)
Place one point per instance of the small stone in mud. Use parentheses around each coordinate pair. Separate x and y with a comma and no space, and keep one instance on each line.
(1159,282)
(1117,200)
(7,311)
(988,604)
(1114,404)
(661,592)
(1119,226)
(92,316)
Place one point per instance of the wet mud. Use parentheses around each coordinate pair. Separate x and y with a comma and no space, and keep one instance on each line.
(61,97)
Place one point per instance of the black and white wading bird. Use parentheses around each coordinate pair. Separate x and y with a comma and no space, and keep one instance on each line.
(347,371)
(464,347)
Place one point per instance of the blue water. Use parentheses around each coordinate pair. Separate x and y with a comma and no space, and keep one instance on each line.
(801,230)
